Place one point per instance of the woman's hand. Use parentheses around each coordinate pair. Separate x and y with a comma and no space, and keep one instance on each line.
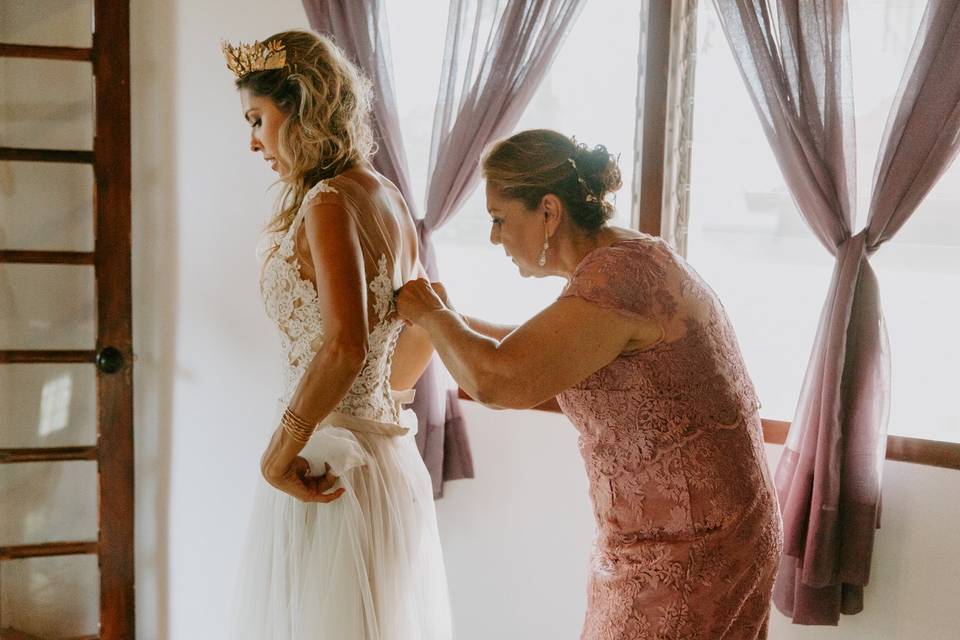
(441,291)
(296,481)
(417,298)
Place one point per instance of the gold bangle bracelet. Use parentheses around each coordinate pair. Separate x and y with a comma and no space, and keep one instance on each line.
(294,418)
(296,427)
(300,434)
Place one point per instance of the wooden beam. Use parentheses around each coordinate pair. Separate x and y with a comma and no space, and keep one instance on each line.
(112,210)
(81,54)
(14,634)
(775,431)
(47,454)
(932,453)
(652,88)
(42,356)
(15,154)
(49,549)
(46,257)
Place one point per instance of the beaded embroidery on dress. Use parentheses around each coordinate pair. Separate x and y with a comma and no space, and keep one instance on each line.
(368,565)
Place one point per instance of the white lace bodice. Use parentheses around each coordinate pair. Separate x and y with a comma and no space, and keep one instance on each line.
(291,301)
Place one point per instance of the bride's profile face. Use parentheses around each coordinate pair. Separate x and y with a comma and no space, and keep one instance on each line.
(264,118)
(517,229)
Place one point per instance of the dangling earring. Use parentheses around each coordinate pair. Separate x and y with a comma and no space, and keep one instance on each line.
(546,245)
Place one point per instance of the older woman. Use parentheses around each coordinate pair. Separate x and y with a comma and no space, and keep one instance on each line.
(645,363)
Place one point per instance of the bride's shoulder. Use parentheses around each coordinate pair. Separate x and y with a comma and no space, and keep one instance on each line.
(323,186)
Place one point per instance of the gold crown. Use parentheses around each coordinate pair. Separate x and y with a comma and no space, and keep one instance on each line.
(247,58)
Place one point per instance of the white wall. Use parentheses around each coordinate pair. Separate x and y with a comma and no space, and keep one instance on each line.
(207,372)
(516,539)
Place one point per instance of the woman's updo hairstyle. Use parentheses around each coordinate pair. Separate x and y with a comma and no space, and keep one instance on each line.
(530,164)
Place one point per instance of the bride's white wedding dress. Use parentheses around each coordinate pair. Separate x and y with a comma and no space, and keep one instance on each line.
(368,565)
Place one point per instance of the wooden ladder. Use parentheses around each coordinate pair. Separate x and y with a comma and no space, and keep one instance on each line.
(112,356)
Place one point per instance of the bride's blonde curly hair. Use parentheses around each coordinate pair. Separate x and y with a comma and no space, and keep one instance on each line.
(328,129)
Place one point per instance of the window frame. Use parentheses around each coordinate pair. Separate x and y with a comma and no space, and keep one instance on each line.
(661,175)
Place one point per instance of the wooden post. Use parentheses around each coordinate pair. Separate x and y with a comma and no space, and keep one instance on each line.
(111,68)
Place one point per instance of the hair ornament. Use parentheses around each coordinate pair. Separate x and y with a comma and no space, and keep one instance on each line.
(247,58)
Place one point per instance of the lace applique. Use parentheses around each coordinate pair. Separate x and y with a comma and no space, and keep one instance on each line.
(321,187)
(382,288)
(291,301)
(373,380)
(611,277)
(689,534)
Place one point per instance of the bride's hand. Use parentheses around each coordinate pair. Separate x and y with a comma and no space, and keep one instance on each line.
(296,481)
(417,298)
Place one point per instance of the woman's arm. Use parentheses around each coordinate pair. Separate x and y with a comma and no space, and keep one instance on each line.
(341,292)
(414,348)
(489,329)
(554,350)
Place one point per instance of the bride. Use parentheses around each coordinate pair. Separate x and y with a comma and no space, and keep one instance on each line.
(343,540)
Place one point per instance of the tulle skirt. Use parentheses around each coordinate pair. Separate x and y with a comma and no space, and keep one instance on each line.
(367,566)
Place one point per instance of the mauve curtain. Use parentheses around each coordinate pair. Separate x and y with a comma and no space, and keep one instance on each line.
(496,53)
(798,74)
(359,27)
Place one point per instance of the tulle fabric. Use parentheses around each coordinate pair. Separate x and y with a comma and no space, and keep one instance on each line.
(366,566)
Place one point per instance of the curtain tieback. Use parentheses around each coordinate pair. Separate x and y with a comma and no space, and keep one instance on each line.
(856,243)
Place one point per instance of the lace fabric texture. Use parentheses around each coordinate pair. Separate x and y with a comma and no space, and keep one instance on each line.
(689,534)
(291,301)
(368,565)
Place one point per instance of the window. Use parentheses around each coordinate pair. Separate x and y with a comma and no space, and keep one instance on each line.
(745,235)
(748,240)
(589,92)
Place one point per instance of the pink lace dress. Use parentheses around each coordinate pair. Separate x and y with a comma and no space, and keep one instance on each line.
(689,534)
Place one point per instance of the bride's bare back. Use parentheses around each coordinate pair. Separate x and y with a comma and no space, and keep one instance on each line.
(384,229)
